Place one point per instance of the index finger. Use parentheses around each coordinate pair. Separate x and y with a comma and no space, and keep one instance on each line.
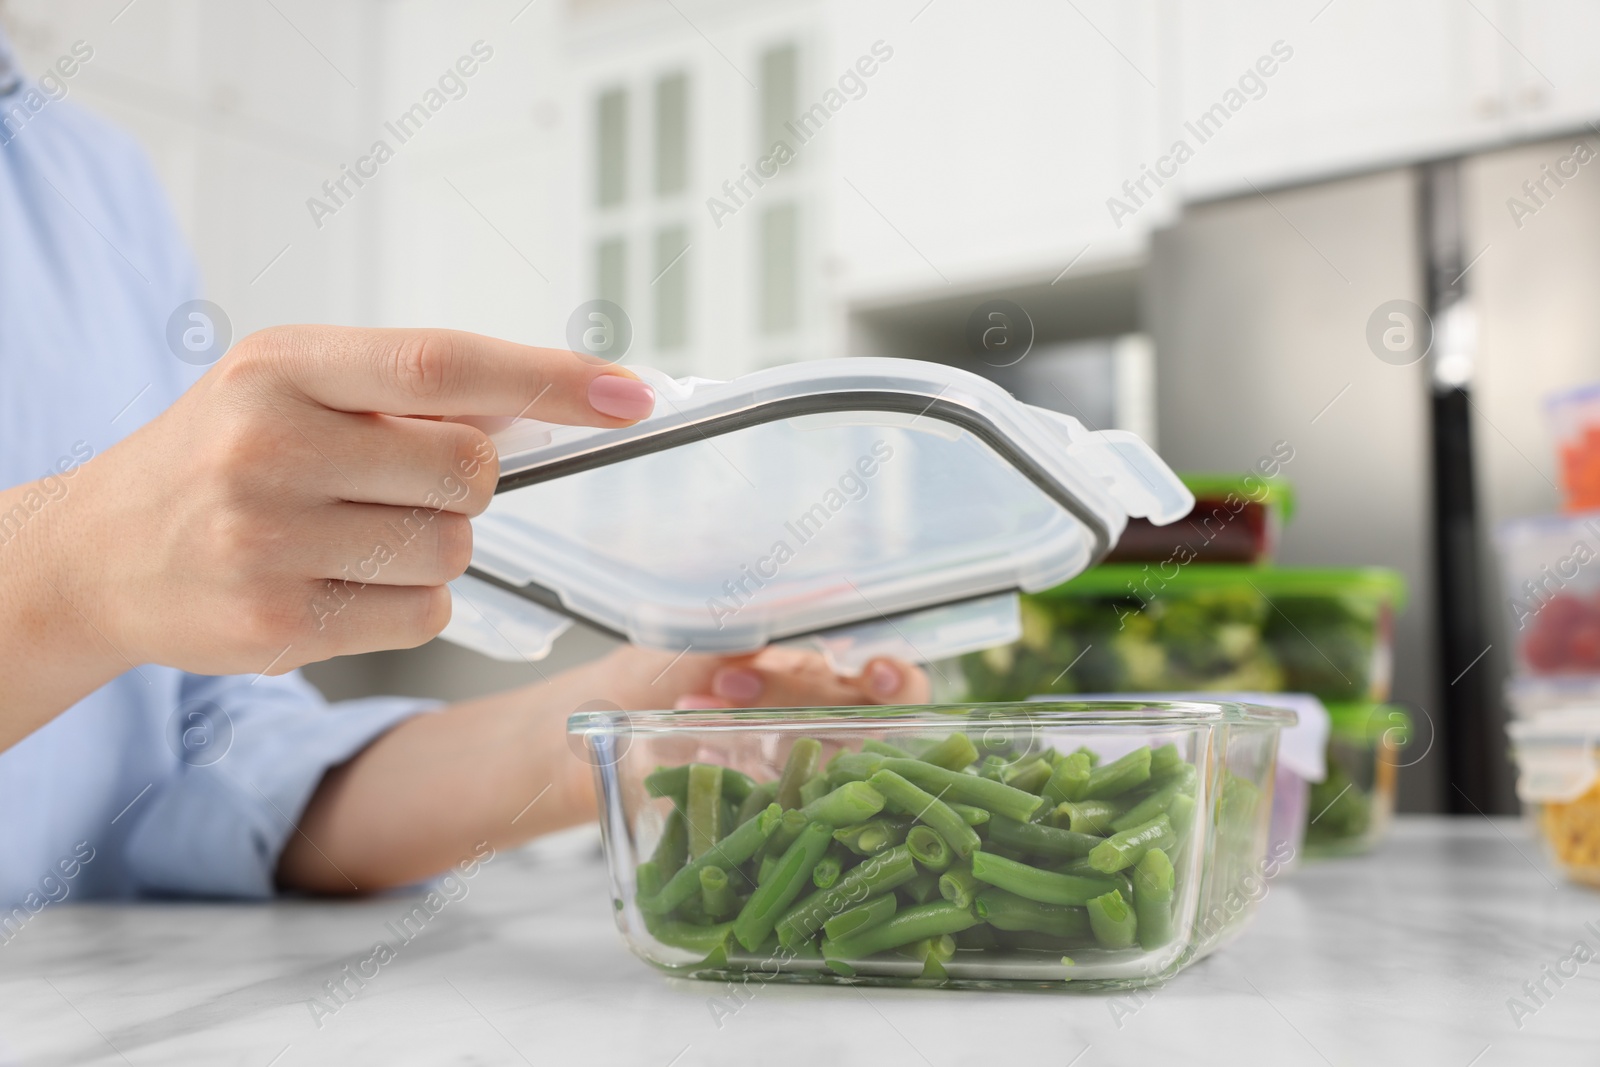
(448,372)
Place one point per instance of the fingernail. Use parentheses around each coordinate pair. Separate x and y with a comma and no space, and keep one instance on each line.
(699,703)
(883,679)
(735,683)
(621,398)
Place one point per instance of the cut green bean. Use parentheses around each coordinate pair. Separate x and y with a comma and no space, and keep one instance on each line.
(673,849)
(1047,887)
(1165,760)
(1028,775)
(1181,813)
(647,879)
(716,894)
(703,940)
(992,767)
(731,851)
(958,885)
(827,871)
(995,797)
(704,808)
(877,874)
(1041,839)
(873,836)
(861,917)
(1069,780)
(884,748)
(1090,816)
(851,803)
(970,814)
(1153,884)
(1118,776)
(1125,848)
(923,806)
(1157,803)
(922,888)
(934,952)
(816,786)
(802,764)
(760,796)
(1007,911)
(793,873)
(764,869)
(929,848)
(789,828)
(852,767)
(911,924)
(1112,920)
(674,782)
(954,753)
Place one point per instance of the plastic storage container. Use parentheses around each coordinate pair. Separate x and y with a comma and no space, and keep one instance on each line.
(983,894)
(1551,568)
(1350,810)
(867,506)
(1574,420)
(1559,781)
(1236,519)
(1140,628)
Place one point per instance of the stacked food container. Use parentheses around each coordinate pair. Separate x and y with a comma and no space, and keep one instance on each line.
(1197,606)
(1551,569)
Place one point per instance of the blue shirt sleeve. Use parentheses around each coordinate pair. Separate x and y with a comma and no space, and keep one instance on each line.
(253,750)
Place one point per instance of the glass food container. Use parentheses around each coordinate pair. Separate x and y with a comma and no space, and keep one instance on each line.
(1558,780)
(1349,811)
(1042,845)
(1236,519)
(1142,628)
(1551,568)
(1573,417)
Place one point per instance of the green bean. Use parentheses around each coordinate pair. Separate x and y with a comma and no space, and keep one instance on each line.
(789,828)
(815,786)
(1126,847)
(884,748)
(928,848)
(861,916)
(647,879)
(851,803)
(1157,803)
(701,939)
(1118,776)
(1165,760)
(958,886)
(873,836)
(1069,780)
(1088,753)
(852,767)
(1180,813)
(934,952)
(1007,911)
(1032,942)
(760,796)
(827,871)
(674,782)
(704,808)
(1046,887)
(995,797)
(922,888)
(923,806)
(1153,882)
(1028,775)
(1090,816)
(992,767)
(954,753)
(673,848)
(766,905)
(716,894)
(1112,920)
(728,815)
(970,814)
(912,924)
(802,764)
(870,877)
(1039,838)
(981,937)
(727,854)
(764,869)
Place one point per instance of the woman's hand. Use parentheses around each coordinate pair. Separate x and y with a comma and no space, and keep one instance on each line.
(305,499)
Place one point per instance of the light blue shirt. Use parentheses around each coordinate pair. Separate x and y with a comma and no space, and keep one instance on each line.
(92,265)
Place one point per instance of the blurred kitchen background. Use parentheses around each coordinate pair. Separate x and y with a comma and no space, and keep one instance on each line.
(1340,154)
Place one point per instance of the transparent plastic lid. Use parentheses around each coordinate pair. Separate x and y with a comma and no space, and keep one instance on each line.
(876,506)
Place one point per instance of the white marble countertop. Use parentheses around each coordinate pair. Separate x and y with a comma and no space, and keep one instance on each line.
(1405,956)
